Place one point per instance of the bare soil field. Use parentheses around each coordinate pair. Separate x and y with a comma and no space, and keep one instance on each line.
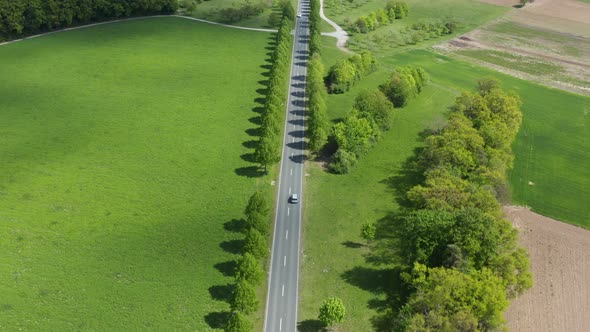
(547,41)
(560,259)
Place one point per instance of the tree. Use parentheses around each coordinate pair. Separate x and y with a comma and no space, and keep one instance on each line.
(249,269)
(255,244)
(342,161)
(449,300)
(368,231)
(355,134)
(268,151)
(377,105)
(257,203)
(332,311)
(400,88)
(244,297)
(238,322)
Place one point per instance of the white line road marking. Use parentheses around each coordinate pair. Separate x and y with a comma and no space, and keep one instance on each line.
(287,235)
(280,324)
(285,261)
(289,190)
(293,140)
(288,211)
(292,154)
(283,291)
(291,171)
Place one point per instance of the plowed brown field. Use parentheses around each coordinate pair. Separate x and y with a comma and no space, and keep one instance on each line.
(560,258)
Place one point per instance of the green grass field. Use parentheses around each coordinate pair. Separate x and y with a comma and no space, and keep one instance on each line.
(521,63)
(555,128)
(468,14)
(123,154)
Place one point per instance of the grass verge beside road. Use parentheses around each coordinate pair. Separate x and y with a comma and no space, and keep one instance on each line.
(125,150)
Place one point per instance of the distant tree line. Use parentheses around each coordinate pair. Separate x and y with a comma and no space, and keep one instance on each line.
(371,115)
(463,259)
(268,151)
(347,72)
(242,11)
(394,10)
(25,17)
(249,273)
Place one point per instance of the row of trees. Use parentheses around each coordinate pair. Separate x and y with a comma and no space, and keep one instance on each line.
(318,124)
(463,259)
(347,72)
(268,151)
(371,115)
(25,17)
(394,10)
(249,273)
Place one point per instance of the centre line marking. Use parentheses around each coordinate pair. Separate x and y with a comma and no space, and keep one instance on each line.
(285,261)
(283,291)
(287,235)
(291,171)
(293,140)
(289,190)
(280,324)
(287,211)
(292,154)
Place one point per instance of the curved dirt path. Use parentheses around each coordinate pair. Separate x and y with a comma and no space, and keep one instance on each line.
(340,35)
(138,18)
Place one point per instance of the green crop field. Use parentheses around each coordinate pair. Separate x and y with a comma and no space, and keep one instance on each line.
(123,152)
(551,150)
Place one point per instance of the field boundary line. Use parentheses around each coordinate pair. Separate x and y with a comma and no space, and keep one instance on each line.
(136,18)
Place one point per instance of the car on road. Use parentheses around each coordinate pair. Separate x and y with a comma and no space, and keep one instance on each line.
(294,199)
(299,15)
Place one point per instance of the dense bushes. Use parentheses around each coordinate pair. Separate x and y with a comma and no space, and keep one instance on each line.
(249,273)
(345,73)
(25,17)
(404,84)
(315,36)
(393,10)
(464,260)
(371,115)
(268,151)
(241,12)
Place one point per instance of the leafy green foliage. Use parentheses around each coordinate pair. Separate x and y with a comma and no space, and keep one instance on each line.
(393,10)
(332,311)
(258,203)
(24,17)
(240,12)
(450,300)
(318,124)
(368,231)
(244,297)
(255,244)
(347,72)
(376,106)
(268,150)
(404,84)
(249,269)
(238,322)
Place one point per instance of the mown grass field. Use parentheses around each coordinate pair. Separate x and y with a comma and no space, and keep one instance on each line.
(123,153)
(334,254)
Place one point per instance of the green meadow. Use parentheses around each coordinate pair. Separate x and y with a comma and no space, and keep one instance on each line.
(551,151)
(124,156)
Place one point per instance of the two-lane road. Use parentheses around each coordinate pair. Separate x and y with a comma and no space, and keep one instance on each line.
(281,304)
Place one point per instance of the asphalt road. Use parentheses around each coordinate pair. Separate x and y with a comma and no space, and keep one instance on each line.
(281,303)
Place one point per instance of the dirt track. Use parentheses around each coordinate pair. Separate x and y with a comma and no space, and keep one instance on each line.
(560,259)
